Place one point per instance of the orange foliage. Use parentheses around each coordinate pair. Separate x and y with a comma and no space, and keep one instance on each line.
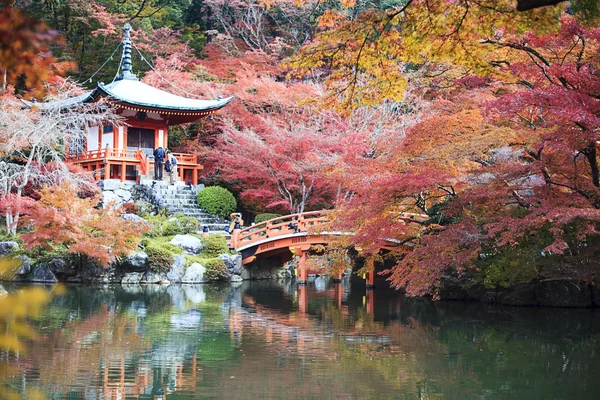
(61,218)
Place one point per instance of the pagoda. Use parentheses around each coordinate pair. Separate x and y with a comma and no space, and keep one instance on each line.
(124,151)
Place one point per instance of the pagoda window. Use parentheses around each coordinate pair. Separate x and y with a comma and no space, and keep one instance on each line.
(141,138)
(107,129)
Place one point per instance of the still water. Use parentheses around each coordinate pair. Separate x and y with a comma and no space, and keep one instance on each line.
(269,340)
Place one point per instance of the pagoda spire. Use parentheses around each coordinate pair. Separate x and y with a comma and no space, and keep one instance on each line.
(126,70)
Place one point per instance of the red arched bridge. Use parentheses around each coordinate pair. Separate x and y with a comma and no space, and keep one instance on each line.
(295,233)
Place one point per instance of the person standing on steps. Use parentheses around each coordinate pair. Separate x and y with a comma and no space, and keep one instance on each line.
(171,167)
(159,159)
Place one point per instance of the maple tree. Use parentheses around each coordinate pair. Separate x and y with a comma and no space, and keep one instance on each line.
(60,217)
(495,167)
(33,143)
(25,50)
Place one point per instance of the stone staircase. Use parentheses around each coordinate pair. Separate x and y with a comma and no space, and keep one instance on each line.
(180,199)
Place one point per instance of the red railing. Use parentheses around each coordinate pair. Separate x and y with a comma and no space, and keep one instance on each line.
(278,227)
(107,152)
(183,158)
(304,222)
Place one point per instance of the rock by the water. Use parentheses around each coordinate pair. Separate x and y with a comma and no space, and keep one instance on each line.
(153,277)
(132,278)
(194,274)
(8,247)
(563,293)
(132,217)
(3,291)
(61,268)
(25,267)
(235,278)
(177,269)
(236,261)
(136,262)
(189,243)
(43,274)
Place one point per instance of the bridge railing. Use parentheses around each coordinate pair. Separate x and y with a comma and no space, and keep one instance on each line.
(286,225)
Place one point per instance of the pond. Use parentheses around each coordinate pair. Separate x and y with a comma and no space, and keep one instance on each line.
(271,340)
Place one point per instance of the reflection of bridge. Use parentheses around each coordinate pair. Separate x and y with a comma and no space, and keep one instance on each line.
(295,234)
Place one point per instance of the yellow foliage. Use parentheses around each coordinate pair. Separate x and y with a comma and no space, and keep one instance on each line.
(16,309)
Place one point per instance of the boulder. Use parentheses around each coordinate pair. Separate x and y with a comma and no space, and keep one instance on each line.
(189,243)
(235,278)
(563,293)
(132,278)
(25,267)
(3,291)
(236,261)
(110,197)
(194,274)
(153,277)
(519,295)
(175,274)
(43,274)
(123,194)
(8,247)
(136,262)
(61,268)
(132,217)
(109,184)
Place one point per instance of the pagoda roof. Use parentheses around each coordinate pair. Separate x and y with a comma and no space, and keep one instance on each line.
(138,94)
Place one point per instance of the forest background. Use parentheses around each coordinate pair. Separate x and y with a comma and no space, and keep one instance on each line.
(484,115)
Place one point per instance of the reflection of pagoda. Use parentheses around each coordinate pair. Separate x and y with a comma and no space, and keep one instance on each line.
(125,151)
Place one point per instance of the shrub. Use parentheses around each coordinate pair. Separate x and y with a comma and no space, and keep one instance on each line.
(129,208)
(217,200)
(188,224)
(171,227)
(215,270)
(159,258)
(265,217)
(214,245)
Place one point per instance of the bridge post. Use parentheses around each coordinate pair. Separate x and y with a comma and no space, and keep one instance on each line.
(337,278)
(302,271)
(370,275)
(235,237)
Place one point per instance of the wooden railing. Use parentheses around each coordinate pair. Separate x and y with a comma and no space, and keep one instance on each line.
(107,152)
(278,227)
(183,158)
(144,162)
(295,223)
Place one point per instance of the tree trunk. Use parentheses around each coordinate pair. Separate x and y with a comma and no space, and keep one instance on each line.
(592,155)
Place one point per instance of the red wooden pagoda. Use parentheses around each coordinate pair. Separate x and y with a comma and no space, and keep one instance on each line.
(125,151)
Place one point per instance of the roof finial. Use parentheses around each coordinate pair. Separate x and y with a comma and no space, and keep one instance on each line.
(126,71)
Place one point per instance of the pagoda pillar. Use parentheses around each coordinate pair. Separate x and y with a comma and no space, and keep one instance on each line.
(123,169)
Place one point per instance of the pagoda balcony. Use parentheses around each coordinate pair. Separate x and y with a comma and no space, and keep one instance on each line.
(132,165)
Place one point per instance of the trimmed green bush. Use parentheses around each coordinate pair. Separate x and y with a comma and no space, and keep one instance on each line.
(188,224)
(172,228)
(214,245)
(159,258)
(215,270)
(265,217)
(217,200)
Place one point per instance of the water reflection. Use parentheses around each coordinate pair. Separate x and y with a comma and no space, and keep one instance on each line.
(274,340)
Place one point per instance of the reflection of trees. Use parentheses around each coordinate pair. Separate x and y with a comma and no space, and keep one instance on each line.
(93,350)
(17,309)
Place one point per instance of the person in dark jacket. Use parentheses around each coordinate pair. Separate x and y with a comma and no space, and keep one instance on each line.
(159,159)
